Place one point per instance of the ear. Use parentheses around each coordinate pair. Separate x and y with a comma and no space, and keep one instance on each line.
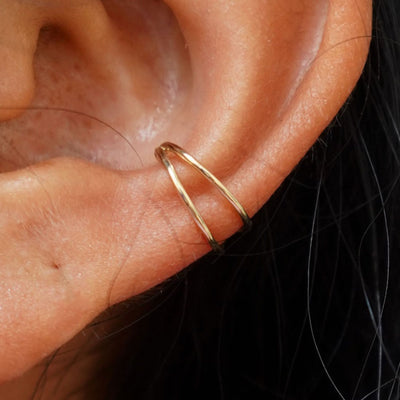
(246,87)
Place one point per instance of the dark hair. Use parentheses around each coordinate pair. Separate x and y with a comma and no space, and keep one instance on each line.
(305,305)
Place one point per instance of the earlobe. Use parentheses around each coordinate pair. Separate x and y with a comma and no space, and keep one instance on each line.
(256,98)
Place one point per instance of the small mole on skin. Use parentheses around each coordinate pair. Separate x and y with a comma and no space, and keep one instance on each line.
(55,265)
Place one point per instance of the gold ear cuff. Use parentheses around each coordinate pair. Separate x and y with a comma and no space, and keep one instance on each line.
(161,154)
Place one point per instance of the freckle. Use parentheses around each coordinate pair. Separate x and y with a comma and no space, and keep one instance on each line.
(55,265)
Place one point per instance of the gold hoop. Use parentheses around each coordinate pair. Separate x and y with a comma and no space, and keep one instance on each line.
(161,155)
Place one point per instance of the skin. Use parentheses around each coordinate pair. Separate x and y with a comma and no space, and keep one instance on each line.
(89,218)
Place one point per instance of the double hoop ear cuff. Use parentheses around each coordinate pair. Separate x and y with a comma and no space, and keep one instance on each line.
(161,154)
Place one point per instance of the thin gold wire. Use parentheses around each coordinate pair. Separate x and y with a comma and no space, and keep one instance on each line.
(161,155)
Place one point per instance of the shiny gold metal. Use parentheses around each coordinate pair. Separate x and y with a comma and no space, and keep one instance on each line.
(161,154)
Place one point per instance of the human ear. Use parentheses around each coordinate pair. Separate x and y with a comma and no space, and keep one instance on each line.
(258,82)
